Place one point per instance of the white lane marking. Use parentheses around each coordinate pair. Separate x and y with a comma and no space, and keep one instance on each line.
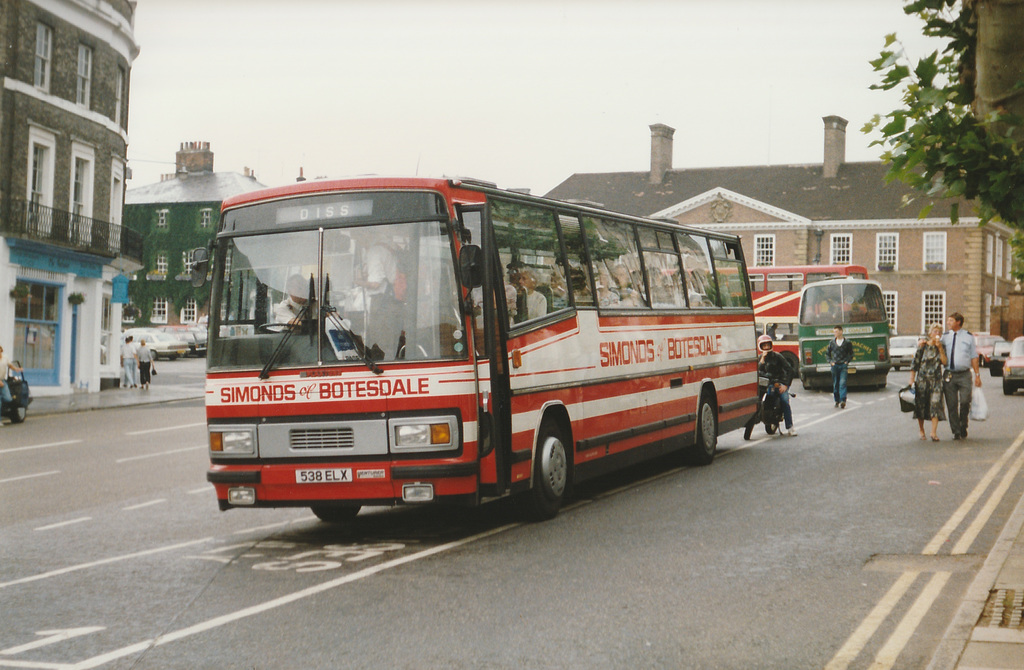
(164,430)
(965,542)
(859,639)
(38,474)
(145,504)
(205,489)
(274,525)
(295,596)
(40,446)
(34,665)
(102,561)
(65,523)
(971,500)
(159,453)
(887,655)
(54,636)
(874,619)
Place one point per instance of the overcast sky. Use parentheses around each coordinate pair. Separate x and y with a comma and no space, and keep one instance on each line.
(520,92)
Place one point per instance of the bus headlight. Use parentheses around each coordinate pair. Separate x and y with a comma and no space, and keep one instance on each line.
(232,441)
(423,434)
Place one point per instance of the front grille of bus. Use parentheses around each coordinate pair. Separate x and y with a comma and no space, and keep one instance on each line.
(321,438)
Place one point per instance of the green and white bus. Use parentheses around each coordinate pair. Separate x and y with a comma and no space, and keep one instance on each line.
(857,306)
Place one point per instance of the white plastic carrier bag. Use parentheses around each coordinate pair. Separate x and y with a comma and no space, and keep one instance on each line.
(979,408)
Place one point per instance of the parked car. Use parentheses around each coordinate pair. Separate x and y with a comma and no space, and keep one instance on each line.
(193,336)
(20,396)
(984,342)
(1013,368)
(1000,352)
(164,345)
(902,349)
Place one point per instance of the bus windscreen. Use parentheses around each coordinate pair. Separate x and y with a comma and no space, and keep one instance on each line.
(835,304)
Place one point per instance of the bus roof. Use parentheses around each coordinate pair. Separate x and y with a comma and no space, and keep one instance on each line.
(456,189)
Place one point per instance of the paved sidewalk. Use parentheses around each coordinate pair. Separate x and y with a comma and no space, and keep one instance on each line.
(82,402)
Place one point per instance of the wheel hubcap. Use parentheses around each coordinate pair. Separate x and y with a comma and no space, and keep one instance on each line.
(707,425)
(554,466)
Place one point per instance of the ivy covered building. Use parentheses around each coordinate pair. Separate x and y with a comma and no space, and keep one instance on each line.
(175,216)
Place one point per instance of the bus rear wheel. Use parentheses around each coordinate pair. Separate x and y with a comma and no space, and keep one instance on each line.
(550,473)
(706,438)
(335,514)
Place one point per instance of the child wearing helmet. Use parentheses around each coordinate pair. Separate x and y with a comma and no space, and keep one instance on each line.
(773,366)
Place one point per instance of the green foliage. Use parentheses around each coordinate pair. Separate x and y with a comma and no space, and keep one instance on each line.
(182,233)
(935,142)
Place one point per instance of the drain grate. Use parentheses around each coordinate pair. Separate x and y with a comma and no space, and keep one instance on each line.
(1004,609)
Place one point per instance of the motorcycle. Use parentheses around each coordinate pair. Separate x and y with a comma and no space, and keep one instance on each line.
(20,397)
(769,408)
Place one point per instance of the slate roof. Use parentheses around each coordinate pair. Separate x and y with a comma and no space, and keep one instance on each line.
(195,187)
(858,193)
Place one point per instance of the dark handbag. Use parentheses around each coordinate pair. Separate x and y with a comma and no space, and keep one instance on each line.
(907,395)
(153,372)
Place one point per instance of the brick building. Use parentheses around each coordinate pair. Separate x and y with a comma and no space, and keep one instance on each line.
(833,212)
(65,70)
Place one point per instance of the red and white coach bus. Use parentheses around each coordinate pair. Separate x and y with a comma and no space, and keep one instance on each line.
(377,341)
(776,294)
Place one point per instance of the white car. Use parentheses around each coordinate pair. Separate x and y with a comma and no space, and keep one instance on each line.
(164,345)
(902,349)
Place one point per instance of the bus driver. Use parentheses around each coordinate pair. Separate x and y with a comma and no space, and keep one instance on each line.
(296,290)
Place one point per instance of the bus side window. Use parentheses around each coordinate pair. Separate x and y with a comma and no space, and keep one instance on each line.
(663,269)
(579,272)
(733,291)
(531,255)
(701,287)
(617,276)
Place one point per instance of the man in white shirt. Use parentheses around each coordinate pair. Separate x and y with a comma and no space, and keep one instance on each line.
(129,363)
(962,360)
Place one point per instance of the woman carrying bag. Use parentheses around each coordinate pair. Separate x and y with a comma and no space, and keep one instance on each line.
(926,377)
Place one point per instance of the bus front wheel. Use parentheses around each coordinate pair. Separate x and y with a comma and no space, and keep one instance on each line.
(550,473)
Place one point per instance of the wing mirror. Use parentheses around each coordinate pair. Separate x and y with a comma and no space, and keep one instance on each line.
(200,266)
(471,266)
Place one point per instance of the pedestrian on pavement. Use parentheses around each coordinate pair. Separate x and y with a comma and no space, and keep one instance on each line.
(839,354)
(145,357)
(962,353)
(926,378)
(780,377)
(129,363)
(6,365)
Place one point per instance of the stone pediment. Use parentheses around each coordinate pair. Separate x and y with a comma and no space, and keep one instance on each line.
(720,206)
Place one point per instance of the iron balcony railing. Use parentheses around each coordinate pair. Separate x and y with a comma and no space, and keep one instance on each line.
(32,221)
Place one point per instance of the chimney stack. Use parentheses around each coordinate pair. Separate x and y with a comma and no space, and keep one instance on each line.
(661,151)
(835,145)
(193,157)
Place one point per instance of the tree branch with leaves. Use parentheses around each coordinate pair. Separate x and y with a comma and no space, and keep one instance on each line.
(960,132)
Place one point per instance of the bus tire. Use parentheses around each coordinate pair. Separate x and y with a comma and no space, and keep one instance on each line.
(334,513)
(705,439)
(550,473)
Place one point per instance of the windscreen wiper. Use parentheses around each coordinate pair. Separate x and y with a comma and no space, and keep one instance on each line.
(290,330)
(292,326)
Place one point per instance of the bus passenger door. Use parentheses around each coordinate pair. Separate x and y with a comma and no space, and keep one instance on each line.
(490,332)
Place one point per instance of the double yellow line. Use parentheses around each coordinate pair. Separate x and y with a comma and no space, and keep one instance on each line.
(887,655)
